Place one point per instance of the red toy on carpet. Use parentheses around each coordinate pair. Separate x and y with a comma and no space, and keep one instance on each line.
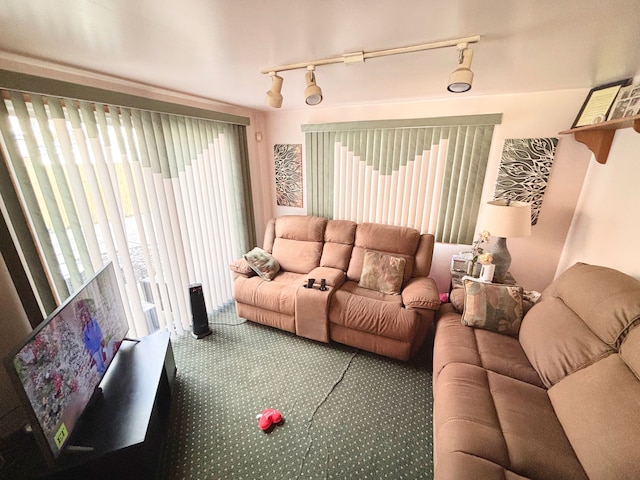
(268,418)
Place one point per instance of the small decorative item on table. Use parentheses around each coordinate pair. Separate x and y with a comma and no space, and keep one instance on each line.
(473,265)
(488,268)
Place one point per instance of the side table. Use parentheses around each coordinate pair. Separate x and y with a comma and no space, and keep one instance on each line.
(456,279)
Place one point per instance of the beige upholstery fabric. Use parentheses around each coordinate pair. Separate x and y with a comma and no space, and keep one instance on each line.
(598,408)
(424,256)
(630,351)
(608,301)
(557,342)
(339,237)
(493,417)
(502,420)
(241,267)
(492,351)
(276,296)
(269,235)
(313,247)
(421,292)
(333,276)
(298,243)
(398,241)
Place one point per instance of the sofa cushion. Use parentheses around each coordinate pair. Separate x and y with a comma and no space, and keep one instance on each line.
(501,420)
(494,307)
(277,296)
(557,342)
(373,312)
(598,409)
(607,300)
(339,237)
(397,241)
(456,343)
(382,272)
(298,242)
(262,263)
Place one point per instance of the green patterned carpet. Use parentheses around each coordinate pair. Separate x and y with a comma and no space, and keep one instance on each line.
(348,414)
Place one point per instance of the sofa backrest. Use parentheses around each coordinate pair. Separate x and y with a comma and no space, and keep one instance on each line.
(297,241)
(390,239)
(582,317)
(583,339)
(339,238)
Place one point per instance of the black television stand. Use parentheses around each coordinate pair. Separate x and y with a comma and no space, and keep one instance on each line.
(122,433)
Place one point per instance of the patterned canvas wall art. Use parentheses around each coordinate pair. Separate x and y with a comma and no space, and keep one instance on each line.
(288,163)
(524,171)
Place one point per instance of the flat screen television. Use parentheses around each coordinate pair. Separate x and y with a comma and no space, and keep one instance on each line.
(57,369)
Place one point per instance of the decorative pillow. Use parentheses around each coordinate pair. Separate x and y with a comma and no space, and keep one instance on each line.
(382,272)
(493,307)
(262,263)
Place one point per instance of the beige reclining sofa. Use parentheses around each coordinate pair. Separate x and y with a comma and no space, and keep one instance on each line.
(378,296)
(558,399)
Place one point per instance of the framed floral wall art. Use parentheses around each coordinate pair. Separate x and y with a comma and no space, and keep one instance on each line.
(288,171)
(524,171)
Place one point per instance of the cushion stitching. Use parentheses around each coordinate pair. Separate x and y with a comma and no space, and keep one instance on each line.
(488,461)
(493,403)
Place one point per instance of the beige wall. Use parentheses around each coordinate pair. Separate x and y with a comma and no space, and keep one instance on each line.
(541,114)
(606,226)
(14,326)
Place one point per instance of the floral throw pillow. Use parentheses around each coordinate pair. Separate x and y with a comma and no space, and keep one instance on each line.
(493,307)
(262,263)
(382,272)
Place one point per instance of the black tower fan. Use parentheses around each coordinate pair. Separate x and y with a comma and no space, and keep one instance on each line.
(200,322)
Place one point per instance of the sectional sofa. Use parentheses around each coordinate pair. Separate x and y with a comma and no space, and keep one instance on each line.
(378,295)
(555,396)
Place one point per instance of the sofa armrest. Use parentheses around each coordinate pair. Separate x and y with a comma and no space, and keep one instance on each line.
(334,276)
(241,268)
(421,292)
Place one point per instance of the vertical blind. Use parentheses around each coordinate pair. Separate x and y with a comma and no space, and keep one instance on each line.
(422,173)
(165,197)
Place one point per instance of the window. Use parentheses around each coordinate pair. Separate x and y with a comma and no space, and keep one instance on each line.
(422,173)
(165,197)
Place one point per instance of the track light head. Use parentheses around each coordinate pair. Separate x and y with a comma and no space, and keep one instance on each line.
(313,93)
(274,97)
(462,77)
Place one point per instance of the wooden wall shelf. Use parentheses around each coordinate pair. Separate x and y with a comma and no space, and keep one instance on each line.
(598,137)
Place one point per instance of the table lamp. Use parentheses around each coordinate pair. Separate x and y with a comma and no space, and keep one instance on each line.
(505,219)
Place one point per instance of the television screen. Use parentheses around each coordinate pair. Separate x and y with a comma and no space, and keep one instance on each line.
(60,365)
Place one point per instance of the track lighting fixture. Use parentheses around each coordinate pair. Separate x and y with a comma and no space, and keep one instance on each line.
(274,97)
(459,81)
(313,93)
(462,77)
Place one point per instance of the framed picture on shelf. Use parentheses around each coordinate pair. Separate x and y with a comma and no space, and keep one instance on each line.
(627,102)
(596,107)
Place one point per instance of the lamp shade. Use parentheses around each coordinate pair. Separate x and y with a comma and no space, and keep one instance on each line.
(507,219)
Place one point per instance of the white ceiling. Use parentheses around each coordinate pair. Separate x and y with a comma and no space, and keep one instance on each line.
(216,48)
